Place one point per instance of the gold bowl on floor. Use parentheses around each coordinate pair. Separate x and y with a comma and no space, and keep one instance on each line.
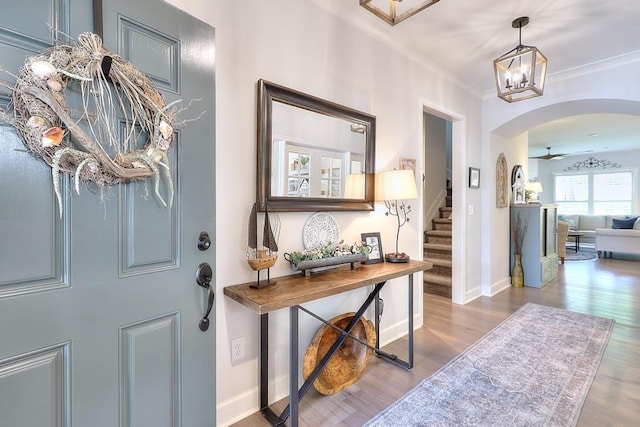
(348,362)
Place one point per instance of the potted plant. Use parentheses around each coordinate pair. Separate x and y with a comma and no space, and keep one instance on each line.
(304,162)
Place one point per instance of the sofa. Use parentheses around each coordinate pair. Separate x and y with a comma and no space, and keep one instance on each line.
(587,224)
(605,232)
(622,237)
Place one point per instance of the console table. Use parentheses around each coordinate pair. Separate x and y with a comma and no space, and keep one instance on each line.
(292,291)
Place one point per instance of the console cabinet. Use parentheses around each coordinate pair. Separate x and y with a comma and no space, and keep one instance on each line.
(539,250)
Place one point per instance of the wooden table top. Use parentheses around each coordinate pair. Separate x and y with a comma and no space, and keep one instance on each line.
(297,289)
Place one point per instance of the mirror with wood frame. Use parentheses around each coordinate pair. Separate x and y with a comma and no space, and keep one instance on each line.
(313,154)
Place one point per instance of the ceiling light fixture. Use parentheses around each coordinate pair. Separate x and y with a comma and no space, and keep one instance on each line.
(520,73)
(392,12)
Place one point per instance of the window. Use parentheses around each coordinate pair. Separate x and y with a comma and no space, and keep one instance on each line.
(612,193)
(330,176)
(597,193)
(572,194)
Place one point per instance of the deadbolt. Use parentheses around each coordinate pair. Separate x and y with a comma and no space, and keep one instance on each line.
(204,241)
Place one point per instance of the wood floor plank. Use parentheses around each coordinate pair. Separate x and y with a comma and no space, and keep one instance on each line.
(603,287)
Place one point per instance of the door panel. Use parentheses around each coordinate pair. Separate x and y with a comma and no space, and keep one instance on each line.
(39,384)
(159,52)
(151,246)
(31,243)
(17,23)
(150,372)
(114,340)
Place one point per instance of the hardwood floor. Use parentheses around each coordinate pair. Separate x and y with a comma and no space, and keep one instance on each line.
(605,287)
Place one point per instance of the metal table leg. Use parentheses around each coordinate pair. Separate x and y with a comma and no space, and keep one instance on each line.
(392,358)
(293,367)
(295,394)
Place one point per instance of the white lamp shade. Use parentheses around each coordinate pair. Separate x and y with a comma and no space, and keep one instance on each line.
(354,186)
(535,187)
(396,185)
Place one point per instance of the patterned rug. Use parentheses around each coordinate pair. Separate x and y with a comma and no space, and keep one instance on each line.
(534,369)
(582,255)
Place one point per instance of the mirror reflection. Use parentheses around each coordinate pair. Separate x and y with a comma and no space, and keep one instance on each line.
(313,154)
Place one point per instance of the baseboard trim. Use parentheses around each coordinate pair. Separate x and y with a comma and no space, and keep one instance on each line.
(237,407)
(499,286)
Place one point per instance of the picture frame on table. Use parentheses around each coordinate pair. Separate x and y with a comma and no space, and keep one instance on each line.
(374,241)
(474,178)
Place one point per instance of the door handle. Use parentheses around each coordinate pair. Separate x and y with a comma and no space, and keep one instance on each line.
(203,278)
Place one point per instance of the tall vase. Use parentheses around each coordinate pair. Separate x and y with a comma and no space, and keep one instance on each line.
(517,275)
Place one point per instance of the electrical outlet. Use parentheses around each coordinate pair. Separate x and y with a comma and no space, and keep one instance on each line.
(237,349)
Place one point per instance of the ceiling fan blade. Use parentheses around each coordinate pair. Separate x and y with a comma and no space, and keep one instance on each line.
(549,156)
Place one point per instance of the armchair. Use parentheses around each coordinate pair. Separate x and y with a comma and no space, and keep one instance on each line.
(563,232)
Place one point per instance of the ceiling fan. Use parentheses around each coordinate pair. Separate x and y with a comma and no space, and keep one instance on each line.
(549,156)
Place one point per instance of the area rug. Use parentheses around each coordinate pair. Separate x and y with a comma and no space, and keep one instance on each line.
(582,255)
(534,369)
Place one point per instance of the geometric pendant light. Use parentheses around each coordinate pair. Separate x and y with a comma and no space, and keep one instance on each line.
(392,12)
(520,73)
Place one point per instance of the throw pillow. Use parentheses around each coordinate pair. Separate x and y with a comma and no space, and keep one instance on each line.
(572,222)
(620,224)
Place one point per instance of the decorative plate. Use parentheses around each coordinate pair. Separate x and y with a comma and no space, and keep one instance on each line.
(319,229)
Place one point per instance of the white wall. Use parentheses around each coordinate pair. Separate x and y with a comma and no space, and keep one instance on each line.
(495,229)
(299,45)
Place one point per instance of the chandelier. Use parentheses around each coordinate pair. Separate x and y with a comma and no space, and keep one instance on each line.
(520,73)
(392,12)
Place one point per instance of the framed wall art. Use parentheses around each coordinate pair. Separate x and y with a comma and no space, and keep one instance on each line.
(406,163)
(502,185)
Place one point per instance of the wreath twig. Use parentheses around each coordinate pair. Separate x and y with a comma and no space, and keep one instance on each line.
(81,147)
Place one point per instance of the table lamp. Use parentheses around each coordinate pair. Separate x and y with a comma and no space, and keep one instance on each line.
(394,188)
(533,188)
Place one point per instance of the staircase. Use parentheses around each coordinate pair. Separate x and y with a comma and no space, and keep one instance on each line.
(437,250)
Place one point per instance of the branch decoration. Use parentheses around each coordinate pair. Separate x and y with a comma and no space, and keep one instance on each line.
(121,132)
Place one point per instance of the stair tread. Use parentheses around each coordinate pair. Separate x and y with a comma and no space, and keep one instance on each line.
(442,220)
(439,232)
(442,262)
(437,246)
(434,278)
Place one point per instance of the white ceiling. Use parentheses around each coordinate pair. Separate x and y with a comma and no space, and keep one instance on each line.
(465,36)
(588,133)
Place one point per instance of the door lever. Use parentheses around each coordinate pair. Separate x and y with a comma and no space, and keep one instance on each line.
(203,278)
